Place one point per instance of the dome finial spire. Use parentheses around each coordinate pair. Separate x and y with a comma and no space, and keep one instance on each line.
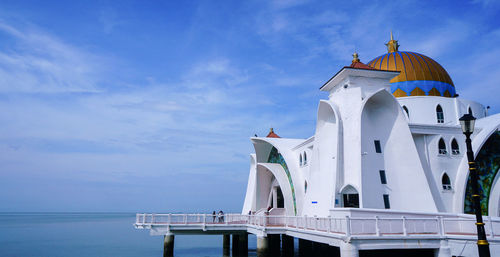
(392,45)
(355,57)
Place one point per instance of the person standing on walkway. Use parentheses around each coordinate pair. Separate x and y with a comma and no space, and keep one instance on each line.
(219,216)
(213,216)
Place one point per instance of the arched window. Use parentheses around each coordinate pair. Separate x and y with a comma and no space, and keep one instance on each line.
(439,114)
(446,182)
(305,158)
(454,147)
(470,110)
(406,110)
(300,159)
(442,147)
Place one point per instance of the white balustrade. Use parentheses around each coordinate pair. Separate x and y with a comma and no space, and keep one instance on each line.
(348,226)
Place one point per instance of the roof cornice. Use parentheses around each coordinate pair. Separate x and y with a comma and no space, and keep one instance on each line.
(356,72)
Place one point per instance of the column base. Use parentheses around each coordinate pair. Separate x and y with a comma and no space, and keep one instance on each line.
(168,246)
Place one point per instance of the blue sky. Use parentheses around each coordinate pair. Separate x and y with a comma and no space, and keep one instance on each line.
(149,105)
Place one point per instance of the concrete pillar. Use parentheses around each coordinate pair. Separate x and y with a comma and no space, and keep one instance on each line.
(348,250)
(444,250)
(236,242)
(305,248)
(274,245)
(168,246)
(243,245)
(287,247)
(262,246)
(226,240)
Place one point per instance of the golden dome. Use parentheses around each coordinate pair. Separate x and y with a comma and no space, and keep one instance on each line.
(420,75)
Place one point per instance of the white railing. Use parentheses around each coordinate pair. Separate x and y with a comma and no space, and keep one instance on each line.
(348,226)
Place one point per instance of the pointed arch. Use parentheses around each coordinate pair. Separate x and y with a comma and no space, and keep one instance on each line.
(455,148)
(350,197)
(274,151)
(487,165)
(383,119)
(267,174)
(439,114)
(482,144)
(446,182)
(442,146)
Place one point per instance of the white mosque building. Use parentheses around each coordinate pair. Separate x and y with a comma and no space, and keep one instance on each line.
(385,174)
(388,137)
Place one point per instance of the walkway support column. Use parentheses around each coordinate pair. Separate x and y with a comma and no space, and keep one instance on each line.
(305,248)
(274,245)
(236,242)
(348,250)
(226,239)
(262,246)
(287,247)
(243,245)
(168,245)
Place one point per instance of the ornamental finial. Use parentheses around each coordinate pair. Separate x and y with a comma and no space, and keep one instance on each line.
(355,57)
(392,45)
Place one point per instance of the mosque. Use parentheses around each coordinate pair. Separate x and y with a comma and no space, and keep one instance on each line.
(386,173)
(388,137)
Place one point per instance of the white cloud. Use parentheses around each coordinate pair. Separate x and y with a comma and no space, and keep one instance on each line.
(443,38)
(40,63)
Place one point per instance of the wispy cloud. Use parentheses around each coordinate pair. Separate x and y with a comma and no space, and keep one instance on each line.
(138,107)
(40,63)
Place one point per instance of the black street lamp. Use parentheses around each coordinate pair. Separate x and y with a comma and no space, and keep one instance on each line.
(467,123)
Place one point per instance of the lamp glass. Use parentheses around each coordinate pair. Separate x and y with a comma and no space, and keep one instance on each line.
(467,122)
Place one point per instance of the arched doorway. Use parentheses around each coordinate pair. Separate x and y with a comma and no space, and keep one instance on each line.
(273,189)
(350,197)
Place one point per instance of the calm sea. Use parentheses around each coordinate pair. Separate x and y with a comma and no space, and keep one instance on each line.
(94,234)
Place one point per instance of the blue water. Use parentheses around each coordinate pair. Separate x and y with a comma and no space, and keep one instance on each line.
(94,234)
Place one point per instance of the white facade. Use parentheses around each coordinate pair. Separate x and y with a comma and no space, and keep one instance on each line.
(341,159)
(385,169)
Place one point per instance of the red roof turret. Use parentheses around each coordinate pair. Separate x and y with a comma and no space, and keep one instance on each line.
(357,64)
(272,134)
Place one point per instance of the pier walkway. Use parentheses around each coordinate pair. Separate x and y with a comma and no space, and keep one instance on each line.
(351,231)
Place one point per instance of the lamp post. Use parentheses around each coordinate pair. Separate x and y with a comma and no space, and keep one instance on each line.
(467,123)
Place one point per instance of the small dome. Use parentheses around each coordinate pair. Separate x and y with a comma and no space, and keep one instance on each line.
(420,75)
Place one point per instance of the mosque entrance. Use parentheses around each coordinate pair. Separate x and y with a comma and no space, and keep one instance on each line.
(350,197)
(276,199)
(273,192)
(351,200)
